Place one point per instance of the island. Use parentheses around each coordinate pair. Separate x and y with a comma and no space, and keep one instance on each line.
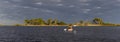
(56,22)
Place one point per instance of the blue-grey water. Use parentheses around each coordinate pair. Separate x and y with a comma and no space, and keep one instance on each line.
(57,34)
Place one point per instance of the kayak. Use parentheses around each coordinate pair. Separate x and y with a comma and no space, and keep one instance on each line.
(69,30)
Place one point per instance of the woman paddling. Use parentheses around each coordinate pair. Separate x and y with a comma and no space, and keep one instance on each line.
(70,29)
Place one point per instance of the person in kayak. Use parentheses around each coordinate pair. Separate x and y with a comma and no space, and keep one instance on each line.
(70,29)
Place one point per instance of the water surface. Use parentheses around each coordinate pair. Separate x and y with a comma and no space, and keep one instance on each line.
(57,34)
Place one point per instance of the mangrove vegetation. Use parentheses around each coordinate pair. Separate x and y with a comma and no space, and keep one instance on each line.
(56,22)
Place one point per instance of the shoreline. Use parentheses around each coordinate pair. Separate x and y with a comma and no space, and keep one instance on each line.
(68,25)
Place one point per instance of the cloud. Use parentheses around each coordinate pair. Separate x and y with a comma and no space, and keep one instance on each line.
(59,4)
(56,0)
(39,3)
(48,1)
(85,0)
(72,6)
(86,10)
(98,7)
(118,0)
(17,0)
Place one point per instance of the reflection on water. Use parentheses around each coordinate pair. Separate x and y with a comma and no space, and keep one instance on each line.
(57,34)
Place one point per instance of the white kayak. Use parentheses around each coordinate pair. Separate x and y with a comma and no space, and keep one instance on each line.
(70,31)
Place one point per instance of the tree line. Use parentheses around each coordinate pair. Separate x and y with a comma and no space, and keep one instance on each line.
(101,22)
(40,21)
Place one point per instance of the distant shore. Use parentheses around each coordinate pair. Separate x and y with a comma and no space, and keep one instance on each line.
(73,25)
(56,22)
(44,25)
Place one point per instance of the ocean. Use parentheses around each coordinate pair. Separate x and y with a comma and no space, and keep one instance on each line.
(57,34)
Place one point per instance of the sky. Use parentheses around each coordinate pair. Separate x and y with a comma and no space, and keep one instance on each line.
(15,11)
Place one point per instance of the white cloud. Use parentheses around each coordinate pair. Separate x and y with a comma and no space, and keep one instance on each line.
(49,11)
(86,10)
(86,4)
(48,0)
(26,7)
(98,7)
(71,6)
(35,8)
(7,4)
(59,4)
(118,0)
(100,13)
(85,0)
(5,1)
(39,3)
(17,0)
(56,0)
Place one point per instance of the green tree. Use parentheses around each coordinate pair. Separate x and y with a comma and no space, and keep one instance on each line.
(26,21)
(41,21)
(49,21)
(62,23)
(31,22)
(37,21)
(18,25)
(55,22)
(98,20)
(81,21)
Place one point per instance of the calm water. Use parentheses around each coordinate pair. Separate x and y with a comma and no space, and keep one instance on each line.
(57,34)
